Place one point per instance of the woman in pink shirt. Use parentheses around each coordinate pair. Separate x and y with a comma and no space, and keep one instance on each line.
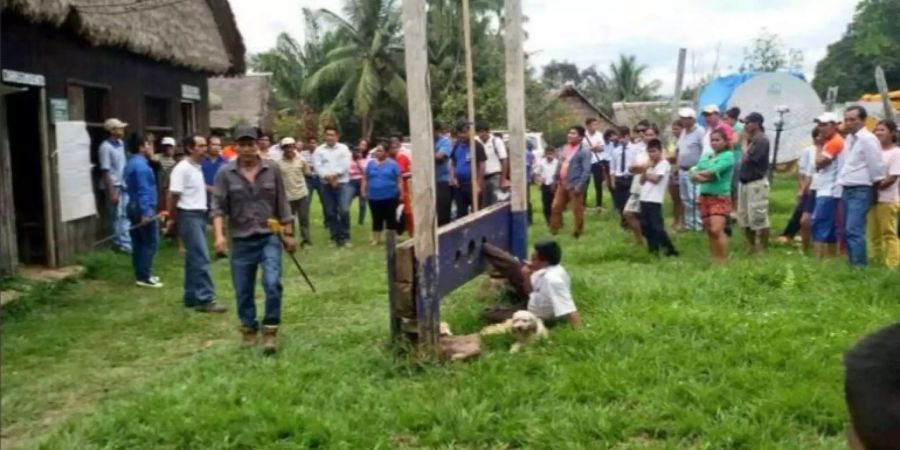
(357,180)
(882,220)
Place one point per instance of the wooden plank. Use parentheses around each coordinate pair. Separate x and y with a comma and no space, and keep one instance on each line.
(515,113)
(883,92)
(418,96)
(9,251)
(470,100)
(679,82)
(460,243)
(47,172)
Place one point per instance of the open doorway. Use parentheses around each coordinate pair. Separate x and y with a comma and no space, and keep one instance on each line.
(22,114)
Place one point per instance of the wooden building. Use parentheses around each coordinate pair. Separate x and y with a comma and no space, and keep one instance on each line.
(145,62)
(580,107)
(245,100)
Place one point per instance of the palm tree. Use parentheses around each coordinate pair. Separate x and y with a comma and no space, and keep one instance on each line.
(286,63)
(625,81)
(367,65)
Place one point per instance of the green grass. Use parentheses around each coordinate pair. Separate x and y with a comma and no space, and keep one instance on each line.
(673,354)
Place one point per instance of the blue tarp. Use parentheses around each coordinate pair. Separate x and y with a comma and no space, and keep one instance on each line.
(719,90)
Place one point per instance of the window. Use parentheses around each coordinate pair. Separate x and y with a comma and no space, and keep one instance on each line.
(156,113)
(88,103)
(188,119)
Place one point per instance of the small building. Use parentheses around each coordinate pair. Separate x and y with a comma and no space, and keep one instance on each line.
(144,62)
(658,112)
(580,107)
(243,100)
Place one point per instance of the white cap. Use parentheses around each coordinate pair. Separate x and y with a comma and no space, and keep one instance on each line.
(711,109)
(828,117)
(114,124)
(288,141)
(687,113)
(168,141)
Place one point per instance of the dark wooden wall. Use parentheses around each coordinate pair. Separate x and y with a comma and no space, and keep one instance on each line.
(65,59)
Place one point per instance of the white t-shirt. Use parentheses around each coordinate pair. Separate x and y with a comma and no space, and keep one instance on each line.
(551,297)
(891,159)
(274,153)
(546,170)
(654,192)
(187,181)
(597,145)
(825,180)
(495,150)
(807,164)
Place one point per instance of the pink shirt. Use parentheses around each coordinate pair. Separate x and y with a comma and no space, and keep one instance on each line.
(567,153)
(891,159)
(356,172)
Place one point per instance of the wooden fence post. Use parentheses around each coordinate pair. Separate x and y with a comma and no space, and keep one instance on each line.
(515,112)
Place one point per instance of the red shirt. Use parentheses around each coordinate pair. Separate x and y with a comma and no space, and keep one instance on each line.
(403,161)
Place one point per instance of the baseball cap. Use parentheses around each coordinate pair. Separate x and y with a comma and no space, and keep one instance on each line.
(710,109)
(168,140)
(113,124)
(244,131)
(754,117)
(687,113)
(288,141)
(828,117)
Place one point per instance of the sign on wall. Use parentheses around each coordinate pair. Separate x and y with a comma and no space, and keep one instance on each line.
(29,79)
(59,109)
(190,92)
(73,169)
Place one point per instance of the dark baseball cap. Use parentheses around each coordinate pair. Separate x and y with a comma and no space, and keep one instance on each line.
(754,117)
(245,131)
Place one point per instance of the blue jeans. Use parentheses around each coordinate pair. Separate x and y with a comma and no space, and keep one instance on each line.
(356,186)
(337,211)
(144,242)
(689,199)
(246,255)
(198,284)
(856,203)
(314,184)
(117,220)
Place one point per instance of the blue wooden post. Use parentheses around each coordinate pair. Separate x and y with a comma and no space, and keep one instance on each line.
(515,110)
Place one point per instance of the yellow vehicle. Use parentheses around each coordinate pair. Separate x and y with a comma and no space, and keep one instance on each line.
(873,104)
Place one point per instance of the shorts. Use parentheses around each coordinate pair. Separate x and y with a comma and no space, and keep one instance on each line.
(634,204)
(809,202)
(824,220)
(753,205)
(714,205)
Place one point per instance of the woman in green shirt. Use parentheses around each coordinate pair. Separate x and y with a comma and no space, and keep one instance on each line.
(713,174)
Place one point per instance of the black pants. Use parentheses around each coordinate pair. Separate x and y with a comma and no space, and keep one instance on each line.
(528,202)
(462,197)
(793,225)
(654,230)
(443,202)
(620,195)
(547,194)
(597,170)
(384,212)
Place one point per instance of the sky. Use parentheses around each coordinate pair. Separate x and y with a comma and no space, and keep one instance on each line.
(591,32)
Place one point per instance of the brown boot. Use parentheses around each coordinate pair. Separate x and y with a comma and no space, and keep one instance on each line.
(248,337)
(270,340)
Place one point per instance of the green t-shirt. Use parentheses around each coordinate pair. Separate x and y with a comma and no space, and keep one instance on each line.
(720,166)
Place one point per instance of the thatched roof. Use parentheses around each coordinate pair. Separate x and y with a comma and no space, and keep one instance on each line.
(569,90)
(239,100)
(197,34)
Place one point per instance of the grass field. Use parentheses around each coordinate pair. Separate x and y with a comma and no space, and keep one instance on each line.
(673,354)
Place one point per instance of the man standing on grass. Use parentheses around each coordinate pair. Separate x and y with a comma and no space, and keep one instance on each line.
(443,192)
(496,168)
(112,168)
(187,204)
(212,163)
(622,158)
(753,192)
(593,139)
(862,169)
(249,191)
(294,169)
(827,162)
(690,148)
(332,162)
(463,169)
(574,171)
(142,204)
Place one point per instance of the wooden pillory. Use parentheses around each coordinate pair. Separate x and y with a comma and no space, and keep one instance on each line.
(436,261)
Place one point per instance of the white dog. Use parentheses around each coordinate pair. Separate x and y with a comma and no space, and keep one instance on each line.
(524,326)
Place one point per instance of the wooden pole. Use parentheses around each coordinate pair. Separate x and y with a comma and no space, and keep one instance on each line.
(679,81)
(470,100)
(418,96)
(883,92)
(48,174)
(515,113)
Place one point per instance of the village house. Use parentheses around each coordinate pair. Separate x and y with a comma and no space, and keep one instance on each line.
(144,62)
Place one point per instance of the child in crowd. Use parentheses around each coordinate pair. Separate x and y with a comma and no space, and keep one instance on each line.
(545,174)
(654,182)
(713,174)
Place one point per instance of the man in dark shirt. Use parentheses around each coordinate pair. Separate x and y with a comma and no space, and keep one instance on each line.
(250,192)
(462,171)
(753,193)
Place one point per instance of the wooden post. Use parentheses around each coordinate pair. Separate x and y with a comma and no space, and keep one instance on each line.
(515,113)
(9,253)
(883,92)
(679,81)
(391,257)
(831,98)
(470,101)
(418,96)
(48,174)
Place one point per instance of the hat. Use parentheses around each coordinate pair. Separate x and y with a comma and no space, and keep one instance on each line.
(288,141)
(244,131)
(710,109)
(114,124)
(687,113)
(828,117)
(754,117)
(168,140)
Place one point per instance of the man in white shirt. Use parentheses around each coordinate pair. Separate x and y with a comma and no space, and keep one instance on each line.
(690,148)
(332,163)
(187,207)
(550,285)
(593,139)
(112,168)
(862,168)
(545,172)
(653,188)
(496,167)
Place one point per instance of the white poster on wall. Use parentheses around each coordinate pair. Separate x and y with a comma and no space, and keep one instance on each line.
(73,169)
